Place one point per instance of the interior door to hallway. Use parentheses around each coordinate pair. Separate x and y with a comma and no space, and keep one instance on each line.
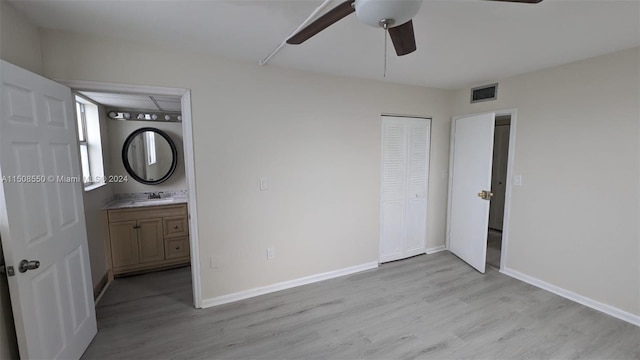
(404,184)
(471,165)
(42,217)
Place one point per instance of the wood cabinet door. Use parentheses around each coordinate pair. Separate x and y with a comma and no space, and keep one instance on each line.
(150,240)
(177,248)
(175,226)
(124,243)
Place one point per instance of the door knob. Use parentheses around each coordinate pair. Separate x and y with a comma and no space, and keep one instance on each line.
(28,265)
(485,195)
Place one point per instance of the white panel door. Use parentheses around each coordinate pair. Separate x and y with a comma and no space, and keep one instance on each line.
(471,174)
(403,206)
(42,217)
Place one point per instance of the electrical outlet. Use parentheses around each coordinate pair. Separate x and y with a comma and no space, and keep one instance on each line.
(213,262)
(271,253)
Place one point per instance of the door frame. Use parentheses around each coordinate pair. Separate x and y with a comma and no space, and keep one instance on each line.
(189,158)
(510,165)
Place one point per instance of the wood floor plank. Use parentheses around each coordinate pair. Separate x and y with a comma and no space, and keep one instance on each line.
(429,306)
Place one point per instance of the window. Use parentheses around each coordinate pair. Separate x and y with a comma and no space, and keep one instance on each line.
(84,145)
(90,143)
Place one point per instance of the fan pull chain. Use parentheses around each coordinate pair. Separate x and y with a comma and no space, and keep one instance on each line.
(384,74)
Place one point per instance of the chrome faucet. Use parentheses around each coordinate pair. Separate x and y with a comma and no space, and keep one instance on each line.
(154,195)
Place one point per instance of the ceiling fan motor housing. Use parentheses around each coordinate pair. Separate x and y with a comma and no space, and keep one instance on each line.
(394,12)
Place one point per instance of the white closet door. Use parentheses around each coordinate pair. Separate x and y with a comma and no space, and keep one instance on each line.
(393,188)
(405,164)
(417,170)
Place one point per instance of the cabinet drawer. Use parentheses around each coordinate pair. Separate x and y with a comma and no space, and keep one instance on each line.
(175,226)
(176,248)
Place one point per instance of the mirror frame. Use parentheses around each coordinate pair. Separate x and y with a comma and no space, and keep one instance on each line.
(125,157)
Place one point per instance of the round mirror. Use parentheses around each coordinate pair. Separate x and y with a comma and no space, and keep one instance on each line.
(149,155)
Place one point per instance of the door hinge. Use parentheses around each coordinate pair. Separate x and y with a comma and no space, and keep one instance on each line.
(8,270)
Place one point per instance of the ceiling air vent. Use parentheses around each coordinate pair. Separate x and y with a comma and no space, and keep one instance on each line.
(484,93)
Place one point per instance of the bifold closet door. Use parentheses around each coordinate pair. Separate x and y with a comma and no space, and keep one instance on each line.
(403,202)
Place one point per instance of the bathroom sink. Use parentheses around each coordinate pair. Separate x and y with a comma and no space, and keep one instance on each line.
(141,202)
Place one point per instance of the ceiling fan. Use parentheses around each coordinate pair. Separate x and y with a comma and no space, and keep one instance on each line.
(392,15)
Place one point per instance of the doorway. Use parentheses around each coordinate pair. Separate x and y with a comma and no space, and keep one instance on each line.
(120,99)
(479,192)
(498,187)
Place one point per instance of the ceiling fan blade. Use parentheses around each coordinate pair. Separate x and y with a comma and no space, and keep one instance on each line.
(520,1)
(322,22)
(403,38)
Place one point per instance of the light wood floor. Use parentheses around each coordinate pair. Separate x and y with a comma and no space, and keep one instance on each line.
(430,306)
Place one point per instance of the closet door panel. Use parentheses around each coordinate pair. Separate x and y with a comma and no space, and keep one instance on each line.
(416,237)
(393,231)
(394,161)
(393,189)
(417,170)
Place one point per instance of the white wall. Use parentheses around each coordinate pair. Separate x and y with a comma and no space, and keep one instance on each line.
(316,137)
(574,221)
(118,133)
(19,45)
(19,39)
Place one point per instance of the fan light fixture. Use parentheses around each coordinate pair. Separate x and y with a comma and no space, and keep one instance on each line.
(395,16)
(387,14)
(145,116)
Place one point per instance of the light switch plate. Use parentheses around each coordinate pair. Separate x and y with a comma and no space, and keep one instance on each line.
(264,184)
(517,180)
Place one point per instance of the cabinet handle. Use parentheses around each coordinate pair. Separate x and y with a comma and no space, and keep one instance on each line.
(175,227)
(177,247)
(136,227)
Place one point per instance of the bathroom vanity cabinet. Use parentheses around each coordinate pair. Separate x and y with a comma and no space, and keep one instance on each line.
(147,237)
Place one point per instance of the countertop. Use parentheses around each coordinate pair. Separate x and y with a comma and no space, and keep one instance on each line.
(136,203)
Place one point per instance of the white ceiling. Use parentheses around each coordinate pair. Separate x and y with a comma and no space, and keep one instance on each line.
(460,42)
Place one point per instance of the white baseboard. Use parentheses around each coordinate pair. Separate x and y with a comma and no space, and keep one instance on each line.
(241,295)
(104,289)
(436,249)
(581,299)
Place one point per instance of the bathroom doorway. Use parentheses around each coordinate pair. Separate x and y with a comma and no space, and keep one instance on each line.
(166,240)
